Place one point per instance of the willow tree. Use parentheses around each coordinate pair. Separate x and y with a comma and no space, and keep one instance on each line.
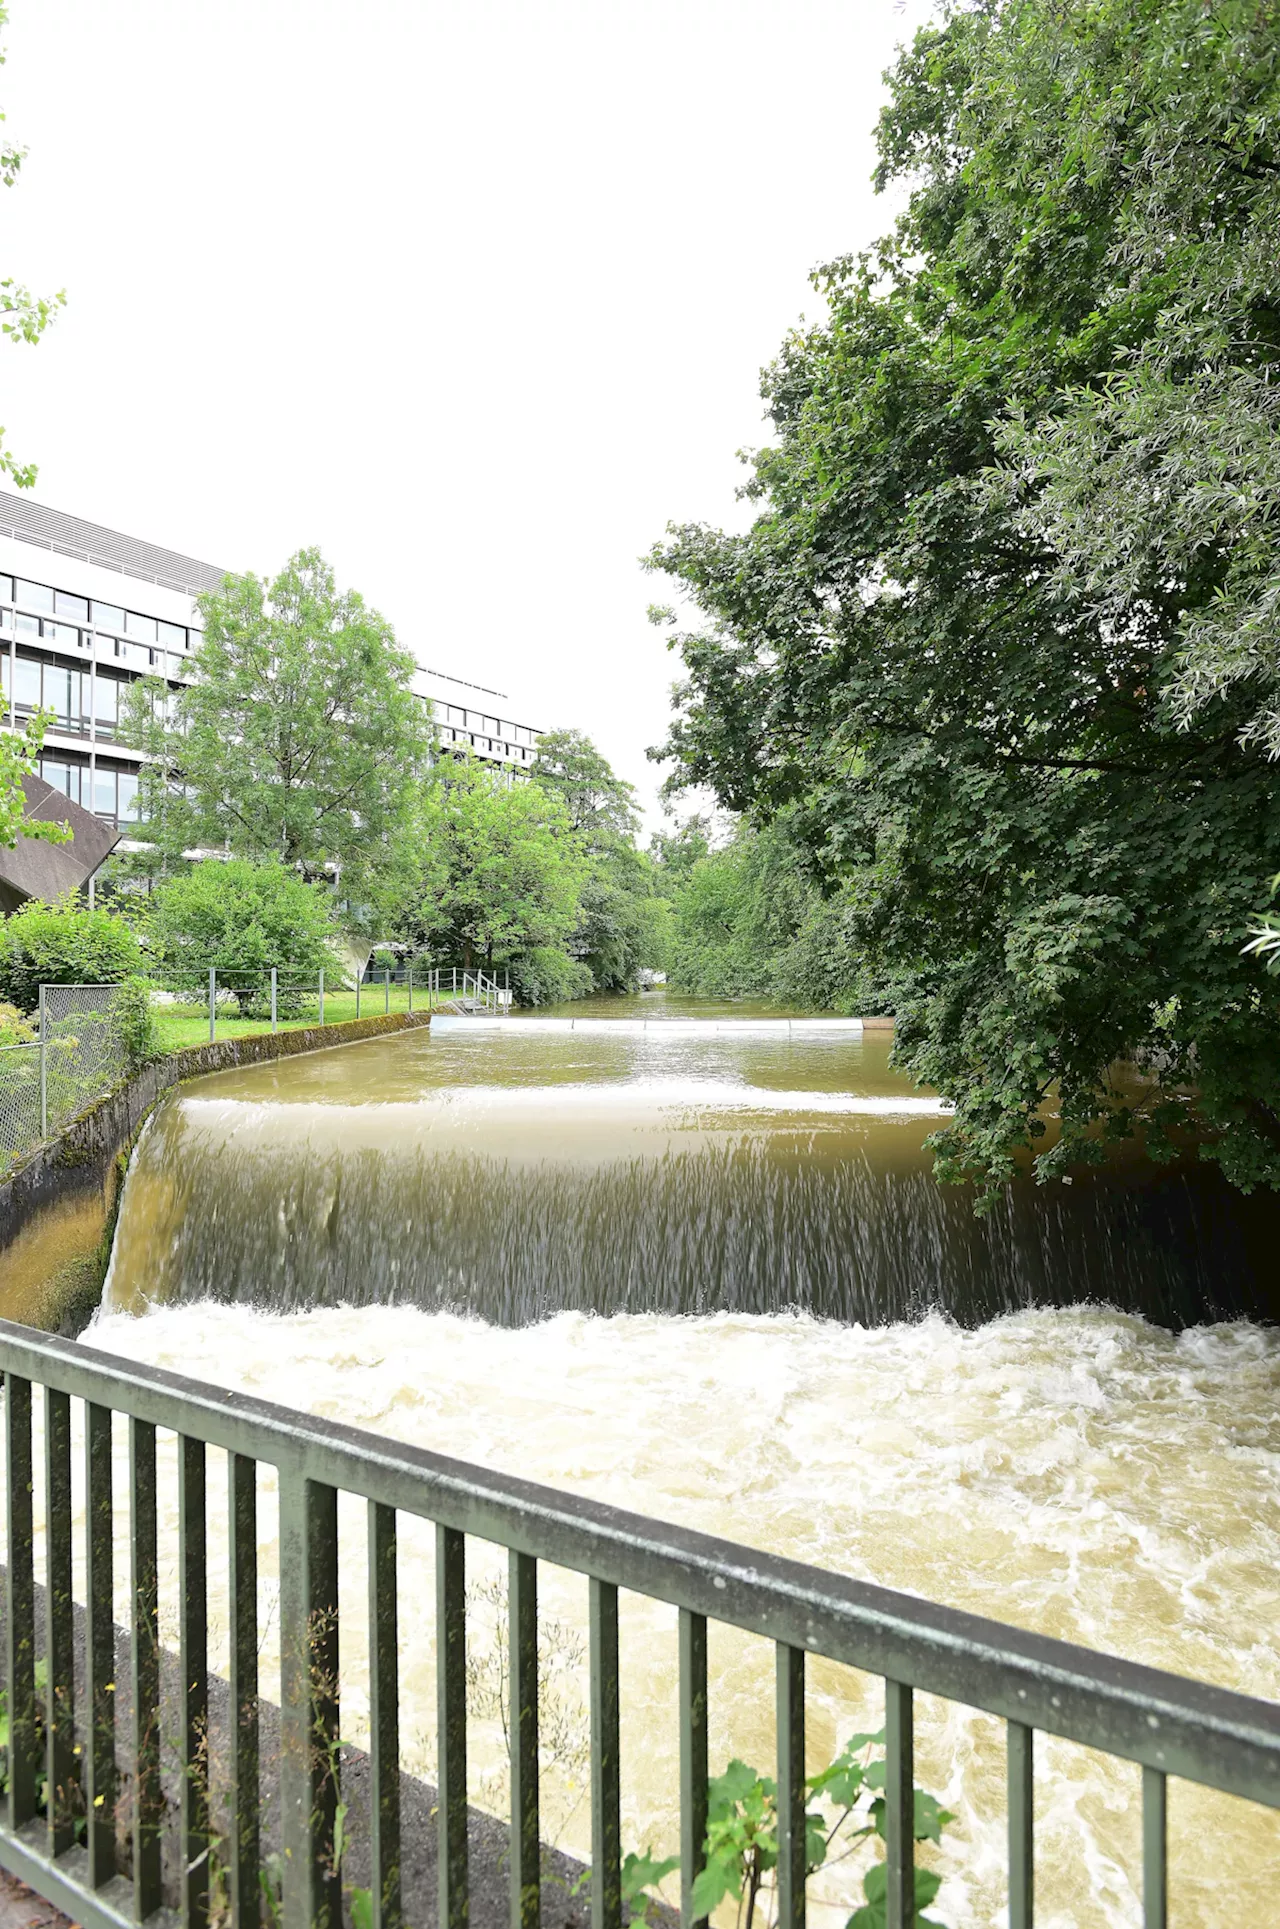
(1003,640)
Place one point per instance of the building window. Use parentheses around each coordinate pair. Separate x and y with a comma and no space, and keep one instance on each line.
(104,793)
(106,706)
(107,617)
(35,596)
(172,635)
(70,778)
(143,627)
(127,792)
(64,634)
(6,588)
(26,625)
(75,608)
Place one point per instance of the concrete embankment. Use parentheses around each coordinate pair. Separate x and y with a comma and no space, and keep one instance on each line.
(57,1210)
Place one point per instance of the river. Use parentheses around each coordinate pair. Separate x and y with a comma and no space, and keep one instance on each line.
(705,1273)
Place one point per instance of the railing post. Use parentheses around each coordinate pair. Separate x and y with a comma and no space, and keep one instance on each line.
(213,992)
(526,1850)
(322,997)
(44,1086)
(693,1759)
(193,1659)
(1021,1744)
(1155,1901)
(899,1806)
(20,1602)
(242,1605)
(274,988)
(606,1815)
(384,1722)
(791,1791)
(100,1750)
(309,1697)
(452,1910)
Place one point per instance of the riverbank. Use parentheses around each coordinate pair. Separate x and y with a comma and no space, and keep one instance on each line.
(57,1210)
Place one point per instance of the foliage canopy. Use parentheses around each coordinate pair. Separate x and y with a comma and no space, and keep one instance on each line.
(63,943)
(1004,638)
(300,737)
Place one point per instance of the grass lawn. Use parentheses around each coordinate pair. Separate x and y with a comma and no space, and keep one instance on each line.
(188,1024)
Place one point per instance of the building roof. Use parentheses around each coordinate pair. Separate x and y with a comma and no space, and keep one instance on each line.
(34,869)
(89,542)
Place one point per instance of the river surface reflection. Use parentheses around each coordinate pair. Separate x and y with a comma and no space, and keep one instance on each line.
(525,1167)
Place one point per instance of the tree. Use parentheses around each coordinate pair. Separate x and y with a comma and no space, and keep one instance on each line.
(599,803)
(624,923)
(242,919)
(998,639)
(300,737)
(500,870)
(19,751)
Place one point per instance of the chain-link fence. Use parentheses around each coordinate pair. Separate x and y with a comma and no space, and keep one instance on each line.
(81,1051)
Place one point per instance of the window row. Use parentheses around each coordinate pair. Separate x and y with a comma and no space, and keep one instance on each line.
(492,746)
(112,794)
(454,713)
(136,655)
(75,697)
(104,616)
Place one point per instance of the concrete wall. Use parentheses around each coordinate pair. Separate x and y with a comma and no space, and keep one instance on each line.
(57,1212)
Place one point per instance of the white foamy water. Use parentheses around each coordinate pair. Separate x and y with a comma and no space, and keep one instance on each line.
(1078,1472)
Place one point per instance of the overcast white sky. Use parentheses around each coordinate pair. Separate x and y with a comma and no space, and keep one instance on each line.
(473,295)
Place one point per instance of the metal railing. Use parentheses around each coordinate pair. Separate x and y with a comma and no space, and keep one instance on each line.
(273,998)
(470,991)
(1167,1724)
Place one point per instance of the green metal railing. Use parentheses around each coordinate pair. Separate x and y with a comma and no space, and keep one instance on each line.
(1166,1724)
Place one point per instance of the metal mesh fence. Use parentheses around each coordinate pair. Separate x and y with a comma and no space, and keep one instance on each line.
(81,1052)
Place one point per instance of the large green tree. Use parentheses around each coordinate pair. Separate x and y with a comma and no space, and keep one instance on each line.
(1002,639)
(498,869)
(623,923)
(299,738)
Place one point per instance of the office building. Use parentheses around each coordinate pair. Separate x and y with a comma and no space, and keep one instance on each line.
(85,611)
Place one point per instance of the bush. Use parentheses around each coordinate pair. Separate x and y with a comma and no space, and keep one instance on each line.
(63,943)
(240,919)
(547,976)
(136,1023)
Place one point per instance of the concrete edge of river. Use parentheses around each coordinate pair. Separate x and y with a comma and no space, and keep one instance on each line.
(58,1209)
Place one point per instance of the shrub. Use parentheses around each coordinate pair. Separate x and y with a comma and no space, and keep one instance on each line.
(548,976)
(63,943)
(240,919)
(136,1023)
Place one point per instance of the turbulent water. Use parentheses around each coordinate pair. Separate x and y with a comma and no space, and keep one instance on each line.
(672,1272)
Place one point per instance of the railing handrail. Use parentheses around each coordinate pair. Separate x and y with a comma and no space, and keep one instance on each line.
(1172,1723)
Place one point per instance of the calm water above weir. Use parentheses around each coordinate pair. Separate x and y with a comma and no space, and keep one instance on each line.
(1070,1468)
(516,1169)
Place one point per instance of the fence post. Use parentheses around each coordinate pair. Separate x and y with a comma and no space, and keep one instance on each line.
(44,1084)
(213,992)
(322,997)
(386,992)
(411,987)
(506,991)
(359,982)
(274,975)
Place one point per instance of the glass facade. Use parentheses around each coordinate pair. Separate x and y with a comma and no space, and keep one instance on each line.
(70,655)
(55,646)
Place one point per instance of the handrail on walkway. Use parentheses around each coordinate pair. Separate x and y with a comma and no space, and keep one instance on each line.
(1167,1724)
